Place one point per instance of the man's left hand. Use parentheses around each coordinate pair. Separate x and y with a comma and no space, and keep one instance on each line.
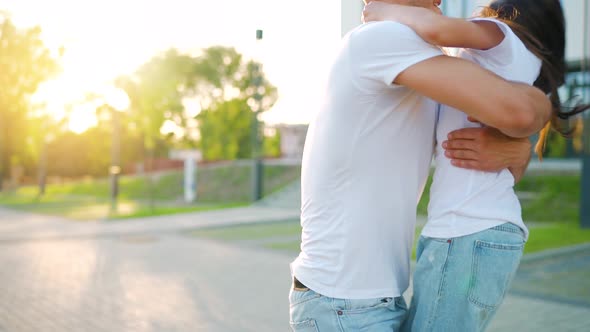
(486,149)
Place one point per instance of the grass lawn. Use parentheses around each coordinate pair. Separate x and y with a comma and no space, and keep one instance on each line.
(285,236)
(251,232)
(90,208)
(555,198)
(218,187)
(556,236)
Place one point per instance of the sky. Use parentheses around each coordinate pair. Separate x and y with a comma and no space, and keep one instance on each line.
(106,38)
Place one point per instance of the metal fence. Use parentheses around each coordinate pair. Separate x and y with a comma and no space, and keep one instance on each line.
(577,89)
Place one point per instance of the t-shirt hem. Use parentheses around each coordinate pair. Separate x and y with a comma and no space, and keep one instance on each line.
(442,233)
(349,294)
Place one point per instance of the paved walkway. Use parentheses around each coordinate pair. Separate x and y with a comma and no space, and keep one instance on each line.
(147,275)
(19,226)
(140,283)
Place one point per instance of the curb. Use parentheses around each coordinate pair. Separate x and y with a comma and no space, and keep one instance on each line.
(551,253)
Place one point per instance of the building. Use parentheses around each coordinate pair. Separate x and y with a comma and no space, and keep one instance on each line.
(292,140)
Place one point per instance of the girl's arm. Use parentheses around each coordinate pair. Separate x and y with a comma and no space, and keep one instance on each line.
(437,29)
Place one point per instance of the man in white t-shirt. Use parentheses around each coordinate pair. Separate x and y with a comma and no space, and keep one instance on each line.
(366,160)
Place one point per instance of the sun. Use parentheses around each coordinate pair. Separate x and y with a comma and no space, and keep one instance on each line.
(82,118)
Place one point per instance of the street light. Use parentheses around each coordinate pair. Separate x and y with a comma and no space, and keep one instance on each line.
(117,101)
(257,167)
(585,179)
(2,131)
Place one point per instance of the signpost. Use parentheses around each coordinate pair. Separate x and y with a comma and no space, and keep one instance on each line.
(117,102)
(190,158)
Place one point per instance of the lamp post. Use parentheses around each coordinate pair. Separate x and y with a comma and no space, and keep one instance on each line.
(42,171)
(464,8)
(257,167)
(585,179)
(117,101)
(1,152)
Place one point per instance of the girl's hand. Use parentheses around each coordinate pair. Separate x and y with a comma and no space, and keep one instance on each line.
(379,11)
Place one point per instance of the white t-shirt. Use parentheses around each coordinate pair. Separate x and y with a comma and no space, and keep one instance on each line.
(464,202)
(365,162)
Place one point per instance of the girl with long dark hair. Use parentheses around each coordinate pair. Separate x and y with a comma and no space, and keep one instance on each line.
(473,241)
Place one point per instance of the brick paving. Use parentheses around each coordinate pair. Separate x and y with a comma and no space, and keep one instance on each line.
(62,276)
(141,283)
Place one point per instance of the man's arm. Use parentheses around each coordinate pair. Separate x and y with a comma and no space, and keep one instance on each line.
(516,109)
(487,149)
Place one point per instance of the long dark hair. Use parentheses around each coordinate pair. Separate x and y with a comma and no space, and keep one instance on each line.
(540,25)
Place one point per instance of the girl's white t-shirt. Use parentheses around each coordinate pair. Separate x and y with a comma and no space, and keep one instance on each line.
(464,202)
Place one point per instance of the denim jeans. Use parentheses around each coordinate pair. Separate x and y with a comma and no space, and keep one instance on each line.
(459,283)
(312,312)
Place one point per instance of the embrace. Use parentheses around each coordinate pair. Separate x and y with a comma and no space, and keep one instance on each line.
(394,100)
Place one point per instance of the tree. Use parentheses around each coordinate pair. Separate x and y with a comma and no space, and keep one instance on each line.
(230,90)
(156,91)
(42,131)
(272,145)
(225,130)
(24,63)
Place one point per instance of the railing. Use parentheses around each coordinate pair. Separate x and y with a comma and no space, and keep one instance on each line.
(578,86)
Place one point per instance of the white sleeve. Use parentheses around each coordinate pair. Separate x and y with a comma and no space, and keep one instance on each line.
(383,50)
(501,54)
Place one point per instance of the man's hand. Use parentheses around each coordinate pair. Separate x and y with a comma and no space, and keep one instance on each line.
(487,149)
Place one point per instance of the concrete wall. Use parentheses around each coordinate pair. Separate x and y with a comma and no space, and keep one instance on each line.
(578,28)
(351,14)
(292,140)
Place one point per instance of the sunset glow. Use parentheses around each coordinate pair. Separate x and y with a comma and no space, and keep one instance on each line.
(106,39)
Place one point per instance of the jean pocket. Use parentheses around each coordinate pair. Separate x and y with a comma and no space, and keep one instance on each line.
(304,326)
(494,267)
(355,307)
(297,296)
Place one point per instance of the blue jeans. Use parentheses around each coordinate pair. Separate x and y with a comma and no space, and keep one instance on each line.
(459,283)
(312,312)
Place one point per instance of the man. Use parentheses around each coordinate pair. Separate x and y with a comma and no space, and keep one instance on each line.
(366,160)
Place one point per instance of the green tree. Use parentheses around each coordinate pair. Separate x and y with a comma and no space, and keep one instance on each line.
(42,131)
(225,130)
(227,86)
(272,145)
(24,63)
(556,146)
(156,93)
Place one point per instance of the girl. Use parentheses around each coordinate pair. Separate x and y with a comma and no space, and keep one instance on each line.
(472,243)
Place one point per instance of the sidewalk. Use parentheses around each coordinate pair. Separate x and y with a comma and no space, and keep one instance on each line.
(145,275)
(20,226)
